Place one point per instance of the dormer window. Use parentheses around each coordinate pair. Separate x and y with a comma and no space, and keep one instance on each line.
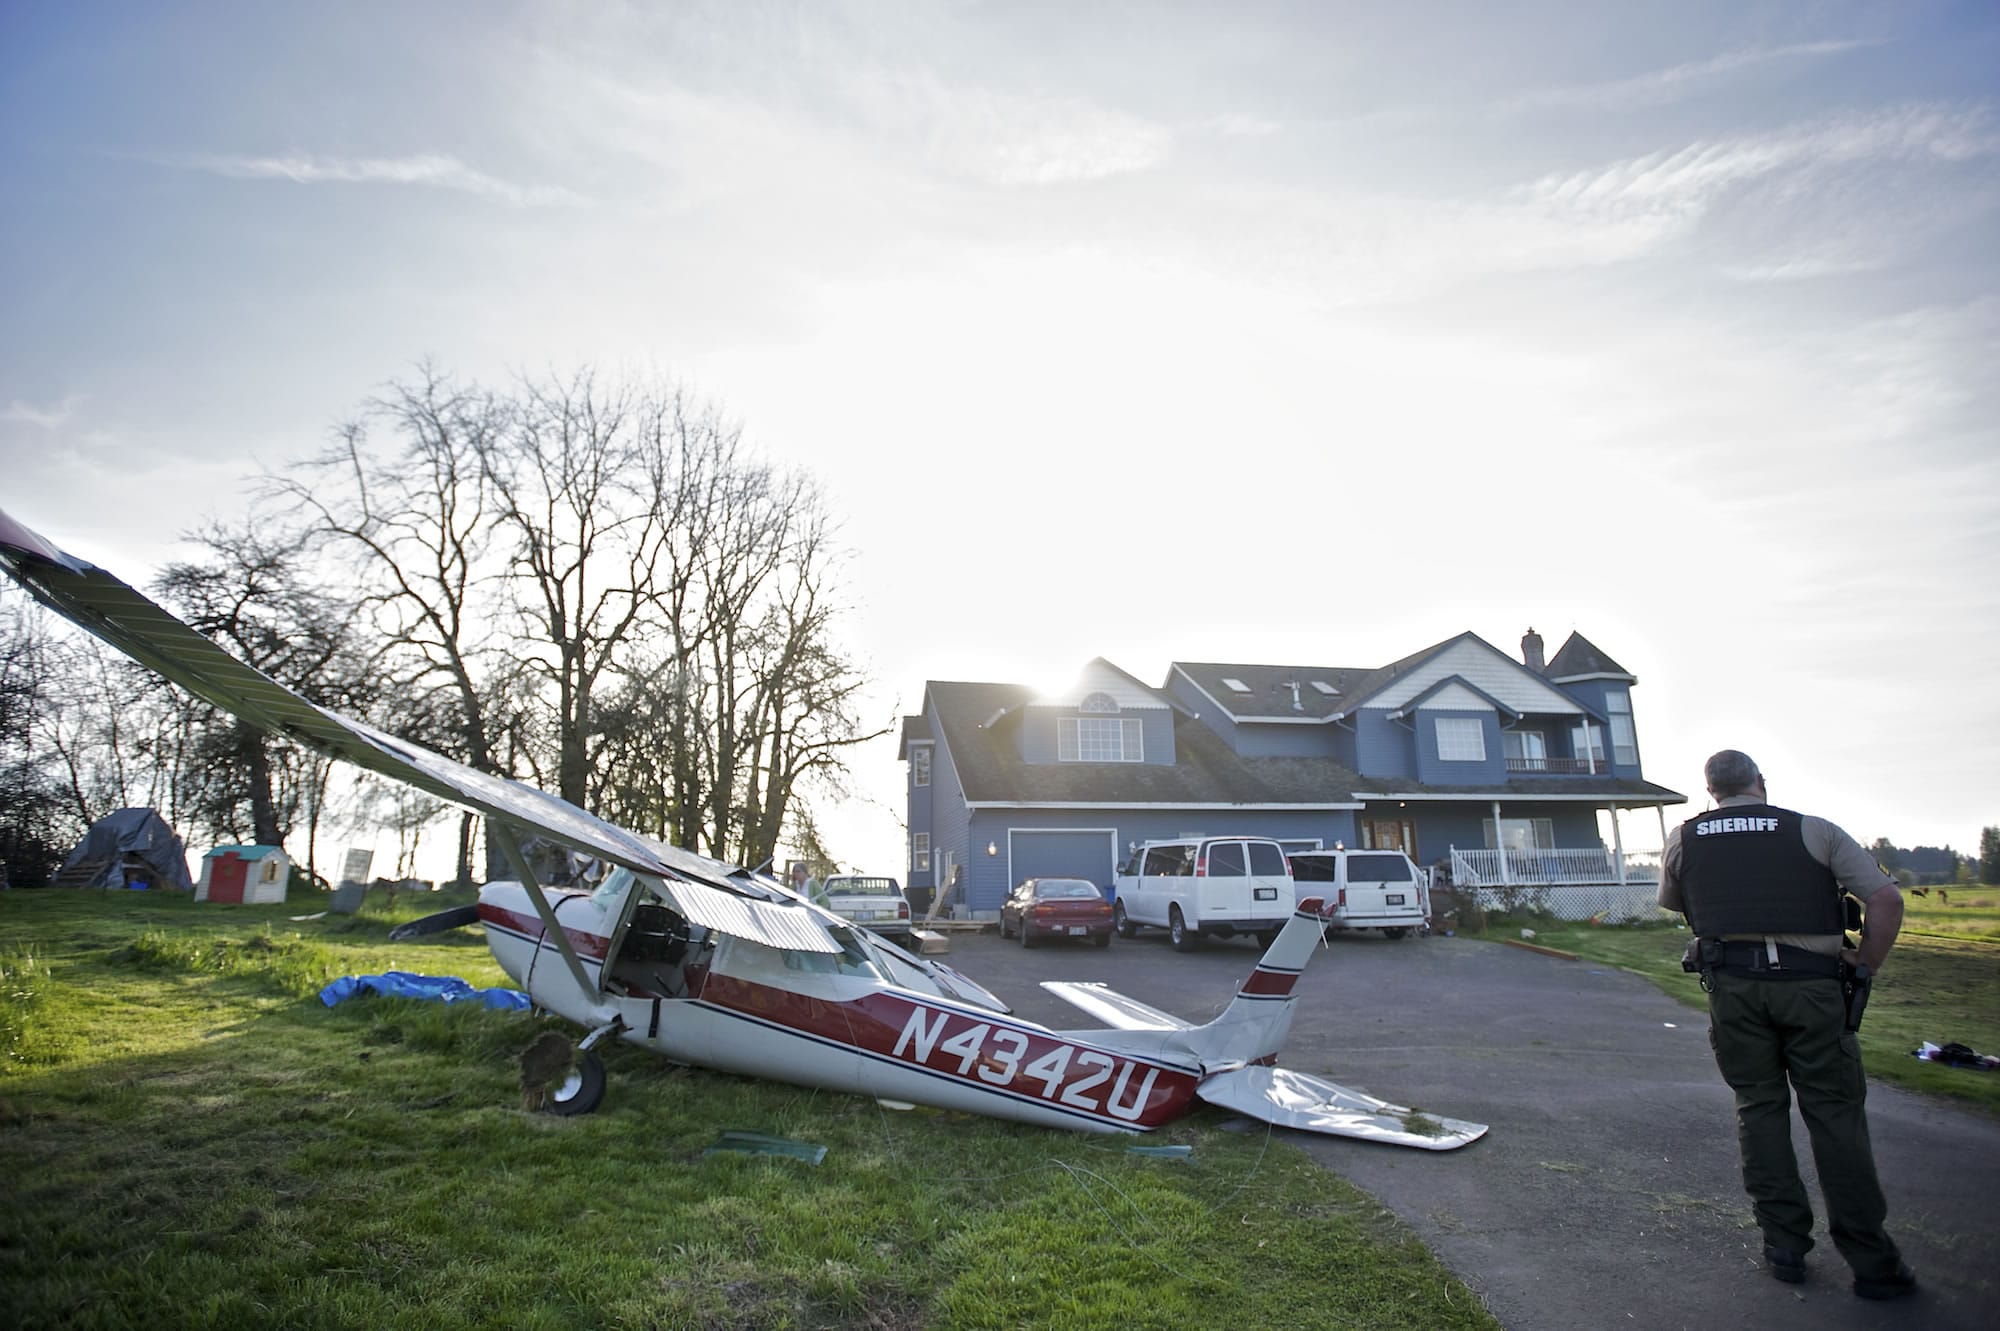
(1099,739)
(920,765)
(1098,702)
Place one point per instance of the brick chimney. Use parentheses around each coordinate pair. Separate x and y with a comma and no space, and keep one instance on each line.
(1531,651)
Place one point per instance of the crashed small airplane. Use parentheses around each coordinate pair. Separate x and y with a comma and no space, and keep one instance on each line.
(717,967)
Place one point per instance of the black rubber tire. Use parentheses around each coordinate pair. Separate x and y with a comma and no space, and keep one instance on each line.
(1393,934)
(1027,939)
(1004,933)
(1123,922)
(435,924)
(1102,940)
(582,1091)
(1183,938)
(1266,937)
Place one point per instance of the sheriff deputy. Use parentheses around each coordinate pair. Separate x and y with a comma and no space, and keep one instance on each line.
(1762,891)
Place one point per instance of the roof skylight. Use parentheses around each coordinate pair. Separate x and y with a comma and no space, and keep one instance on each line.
(1326,688)
(1236,684)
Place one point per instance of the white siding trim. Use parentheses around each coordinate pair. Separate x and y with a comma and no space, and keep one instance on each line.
(1456,698)
(1499,677)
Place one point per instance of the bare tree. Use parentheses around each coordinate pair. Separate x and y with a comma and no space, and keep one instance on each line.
(37,825)
(580,495)
(412,516)
(252,594)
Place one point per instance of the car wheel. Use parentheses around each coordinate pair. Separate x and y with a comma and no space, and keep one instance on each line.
(1102,940)
(581,1091)
(1005,932)
(1266,937)
(1183,938)
(1123,922)
(1027,939)
(1393,934)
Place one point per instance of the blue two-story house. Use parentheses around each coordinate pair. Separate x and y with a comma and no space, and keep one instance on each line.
(1505,771)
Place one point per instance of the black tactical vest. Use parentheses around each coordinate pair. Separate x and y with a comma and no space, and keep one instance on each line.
(1745,870)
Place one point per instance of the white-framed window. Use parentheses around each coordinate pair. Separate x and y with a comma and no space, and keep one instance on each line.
(1235,685)
(1098,702)
(1624,740)
(1521,833)
(920,765)
(920,852)
(1587,743)
(1524,750)
(1100,739)
(1461,739)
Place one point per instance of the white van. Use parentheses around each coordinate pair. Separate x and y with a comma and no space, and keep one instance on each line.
(1367,889)
(1198,886)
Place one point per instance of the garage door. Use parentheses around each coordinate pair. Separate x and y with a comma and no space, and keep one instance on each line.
(1061,855)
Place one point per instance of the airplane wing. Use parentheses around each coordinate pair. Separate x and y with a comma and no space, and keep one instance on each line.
(1289,1099)
(1113,1008)
(100,603)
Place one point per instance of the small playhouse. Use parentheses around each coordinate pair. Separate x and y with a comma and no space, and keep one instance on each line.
(244,875)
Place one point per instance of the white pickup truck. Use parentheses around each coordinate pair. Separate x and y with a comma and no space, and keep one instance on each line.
(1368,889)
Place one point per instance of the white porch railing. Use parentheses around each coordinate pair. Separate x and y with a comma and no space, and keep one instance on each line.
(1570,867)
(1570,884)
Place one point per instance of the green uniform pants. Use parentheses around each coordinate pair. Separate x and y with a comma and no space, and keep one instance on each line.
(1773,1037)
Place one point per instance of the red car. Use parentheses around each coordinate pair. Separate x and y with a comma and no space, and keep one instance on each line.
(1056,908)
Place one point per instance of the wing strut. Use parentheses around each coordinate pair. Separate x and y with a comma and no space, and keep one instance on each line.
(504,835)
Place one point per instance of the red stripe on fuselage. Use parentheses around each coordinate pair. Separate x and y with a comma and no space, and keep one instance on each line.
(1263,982)
(588,946)
(984,1051)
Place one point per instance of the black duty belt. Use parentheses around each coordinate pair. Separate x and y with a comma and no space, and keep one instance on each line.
(1754,959)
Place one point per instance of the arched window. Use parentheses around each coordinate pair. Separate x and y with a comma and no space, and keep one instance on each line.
(1098,702)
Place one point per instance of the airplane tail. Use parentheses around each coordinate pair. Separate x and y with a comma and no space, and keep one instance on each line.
(1250,1030)
(1254,1025)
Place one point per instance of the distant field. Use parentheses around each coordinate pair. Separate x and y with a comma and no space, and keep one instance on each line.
(189,1139)
(1942,984)
(1956,912)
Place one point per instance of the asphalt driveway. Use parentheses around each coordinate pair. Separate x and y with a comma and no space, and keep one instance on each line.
(1607,1192)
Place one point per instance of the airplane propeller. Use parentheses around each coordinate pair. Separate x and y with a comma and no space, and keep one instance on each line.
(435,924)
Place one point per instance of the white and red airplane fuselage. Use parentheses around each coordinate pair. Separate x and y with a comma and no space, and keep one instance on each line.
(761,1011)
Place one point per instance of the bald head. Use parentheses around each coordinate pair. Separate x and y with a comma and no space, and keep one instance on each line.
(1731,772)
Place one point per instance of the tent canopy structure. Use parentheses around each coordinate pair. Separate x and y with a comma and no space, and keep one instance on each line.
(130,845)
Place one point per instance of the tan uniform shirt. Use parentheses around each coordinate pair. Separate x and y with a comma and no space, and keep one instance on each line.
(1852,867)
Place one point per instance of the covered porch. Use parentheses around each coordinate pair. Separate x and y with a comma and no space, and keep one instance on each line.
(1518,869)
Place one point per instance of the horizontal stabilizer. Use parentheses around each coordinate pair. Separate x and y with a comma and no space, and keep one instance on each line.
(1295,1100)
(1113,1008)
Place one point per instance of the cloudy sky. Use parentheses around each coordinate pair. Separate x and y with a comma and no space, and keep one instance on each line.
(1300,333)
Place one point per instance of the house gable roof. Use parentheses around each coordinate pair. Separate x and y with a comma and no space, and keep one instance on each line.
(1479,663)
(979,725)
(1100,676)
(1580,658)
(1456,693)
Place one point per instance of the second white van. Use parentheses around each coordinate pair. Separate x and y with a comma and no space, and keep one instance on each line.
(1199,887)
(1367,889)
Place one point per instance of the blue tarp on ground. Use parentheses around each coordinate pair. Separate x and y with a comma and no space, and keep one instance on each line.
(405,984)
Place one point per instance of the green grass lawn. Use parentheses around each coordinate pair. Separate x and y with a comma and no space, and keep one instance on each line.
(1941,983)
(188,1138)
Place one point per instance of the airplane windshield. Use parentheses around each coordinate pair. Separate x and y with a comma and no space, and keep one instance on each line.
(613,887)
